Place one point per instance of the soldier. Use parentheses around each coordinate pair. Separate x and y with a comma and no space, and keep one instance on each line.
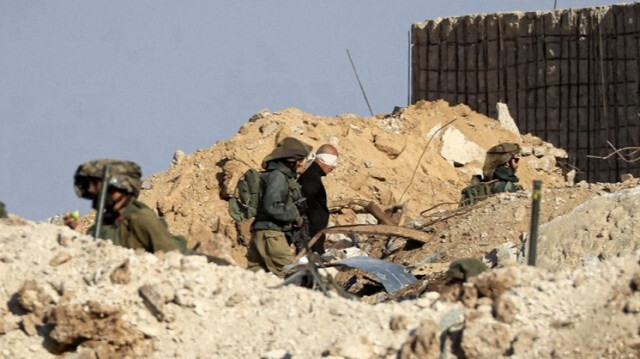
(317,212)
(500,167)
(277,214)
(126,221)
(3,210)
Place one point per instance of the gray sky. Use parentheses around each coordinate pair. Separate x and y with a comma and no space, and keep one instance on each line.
(138,80)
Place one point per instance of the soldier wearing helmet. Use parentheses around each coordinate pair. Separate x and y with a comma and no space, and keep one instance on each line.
(277,213)
(126,221)
(500,167)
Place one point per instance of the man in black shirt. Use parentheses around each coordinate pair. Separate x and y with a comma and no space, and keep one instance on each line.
(324,161)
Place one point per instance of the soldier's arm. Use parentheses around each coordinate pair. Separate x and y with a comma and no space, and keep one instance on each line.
(152,233)
(275,199)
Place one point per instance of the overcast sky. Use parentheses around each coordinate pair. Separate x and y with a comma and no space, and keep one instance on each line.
(138,80)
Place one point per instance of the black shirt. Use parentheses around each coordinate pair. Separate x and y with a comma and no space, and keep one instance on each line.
(317,212)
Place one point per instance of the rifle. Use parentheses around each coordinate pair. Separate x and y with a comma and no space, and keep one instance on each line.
(106,176)
(300,234)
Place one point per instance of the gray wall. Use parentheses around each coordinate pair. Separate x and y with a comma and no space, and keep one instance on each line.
(569,77)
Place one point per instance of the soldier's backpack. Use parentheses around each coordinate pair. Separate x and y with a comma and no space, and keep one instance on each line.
(477,191)
(244,203)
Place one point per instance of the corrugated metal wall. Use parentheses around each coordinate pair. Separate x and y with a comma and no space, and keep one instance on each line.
(569,77)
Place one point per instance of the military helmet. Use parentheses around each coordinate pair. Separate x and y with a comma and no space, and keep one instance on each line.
(124,175)
(288,148)
(498,155)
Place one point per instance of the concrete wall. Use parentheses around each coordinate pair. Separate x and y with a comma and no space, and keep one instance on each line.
(569,77)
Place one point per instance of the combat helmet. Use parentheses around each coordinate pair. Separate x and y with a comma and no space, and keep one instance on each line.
(498,155)
(288,148)
(124,175)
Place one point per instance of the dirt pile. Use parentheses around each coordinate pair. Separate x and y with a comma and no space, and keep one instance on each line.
(68,295)
(73,296)
(419,156)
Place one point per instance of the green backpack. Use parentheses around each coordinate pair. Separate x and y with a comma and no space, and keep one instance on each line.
(244,203)
(477,191)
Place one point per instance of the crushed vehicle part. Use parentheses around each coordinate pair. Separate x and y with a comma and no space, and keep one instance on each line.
(392,276)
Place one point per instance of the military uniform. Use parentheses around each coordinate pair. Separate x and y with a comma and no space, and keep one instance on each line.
(135,225)
(277,211)
(506,180)
(3,211)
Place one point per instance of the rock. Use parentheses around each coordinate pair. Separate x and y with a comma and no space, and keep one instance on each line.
(33,298)
(495,282)
(523,342)
(29,324)
(64,241)
(353,348)
(260,114)
(121,275)
(60,258)
(100,325)
(398,323)
(276,354)
(482,340)
(457,148)
(502,255)
(626,177)
(178,157)
(571,177)
(558,153)
(390,144)
(505,308)
(504,117)
(423,343)
(155,297)
(81,353)
(545,163)
(540,151)
(269,128)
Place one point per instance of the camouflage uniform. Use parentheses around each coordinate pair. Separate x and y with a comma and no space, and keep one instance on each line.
(135,225)
(277,212)
(505,178)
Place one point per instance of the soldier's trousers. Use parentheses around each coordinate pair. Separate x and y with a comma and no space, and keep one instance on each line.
(270,251)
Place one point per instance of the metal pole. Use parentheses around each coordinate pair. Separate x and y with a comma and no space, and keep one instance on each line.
(409,69)
(106,176)
(535,215)
(359,83)
(555,4)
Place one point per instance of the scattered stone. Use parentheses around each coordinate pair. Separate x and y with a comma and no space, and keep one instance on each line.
(456,147)
(398,323)
(260,114)
(277,354)
(504,117)
(423,343)
(121,275)
(33,298)
(178,157)
(626,177)
(60,258)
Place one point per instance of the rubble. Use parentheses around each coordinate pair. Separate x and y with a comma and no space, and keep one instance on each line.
(72,296)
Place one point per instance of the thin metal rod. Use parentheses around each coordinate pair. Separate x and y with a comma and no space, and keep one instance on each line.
(409,69)
(555,4)
(535,215)
(106,176)
(359,83)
